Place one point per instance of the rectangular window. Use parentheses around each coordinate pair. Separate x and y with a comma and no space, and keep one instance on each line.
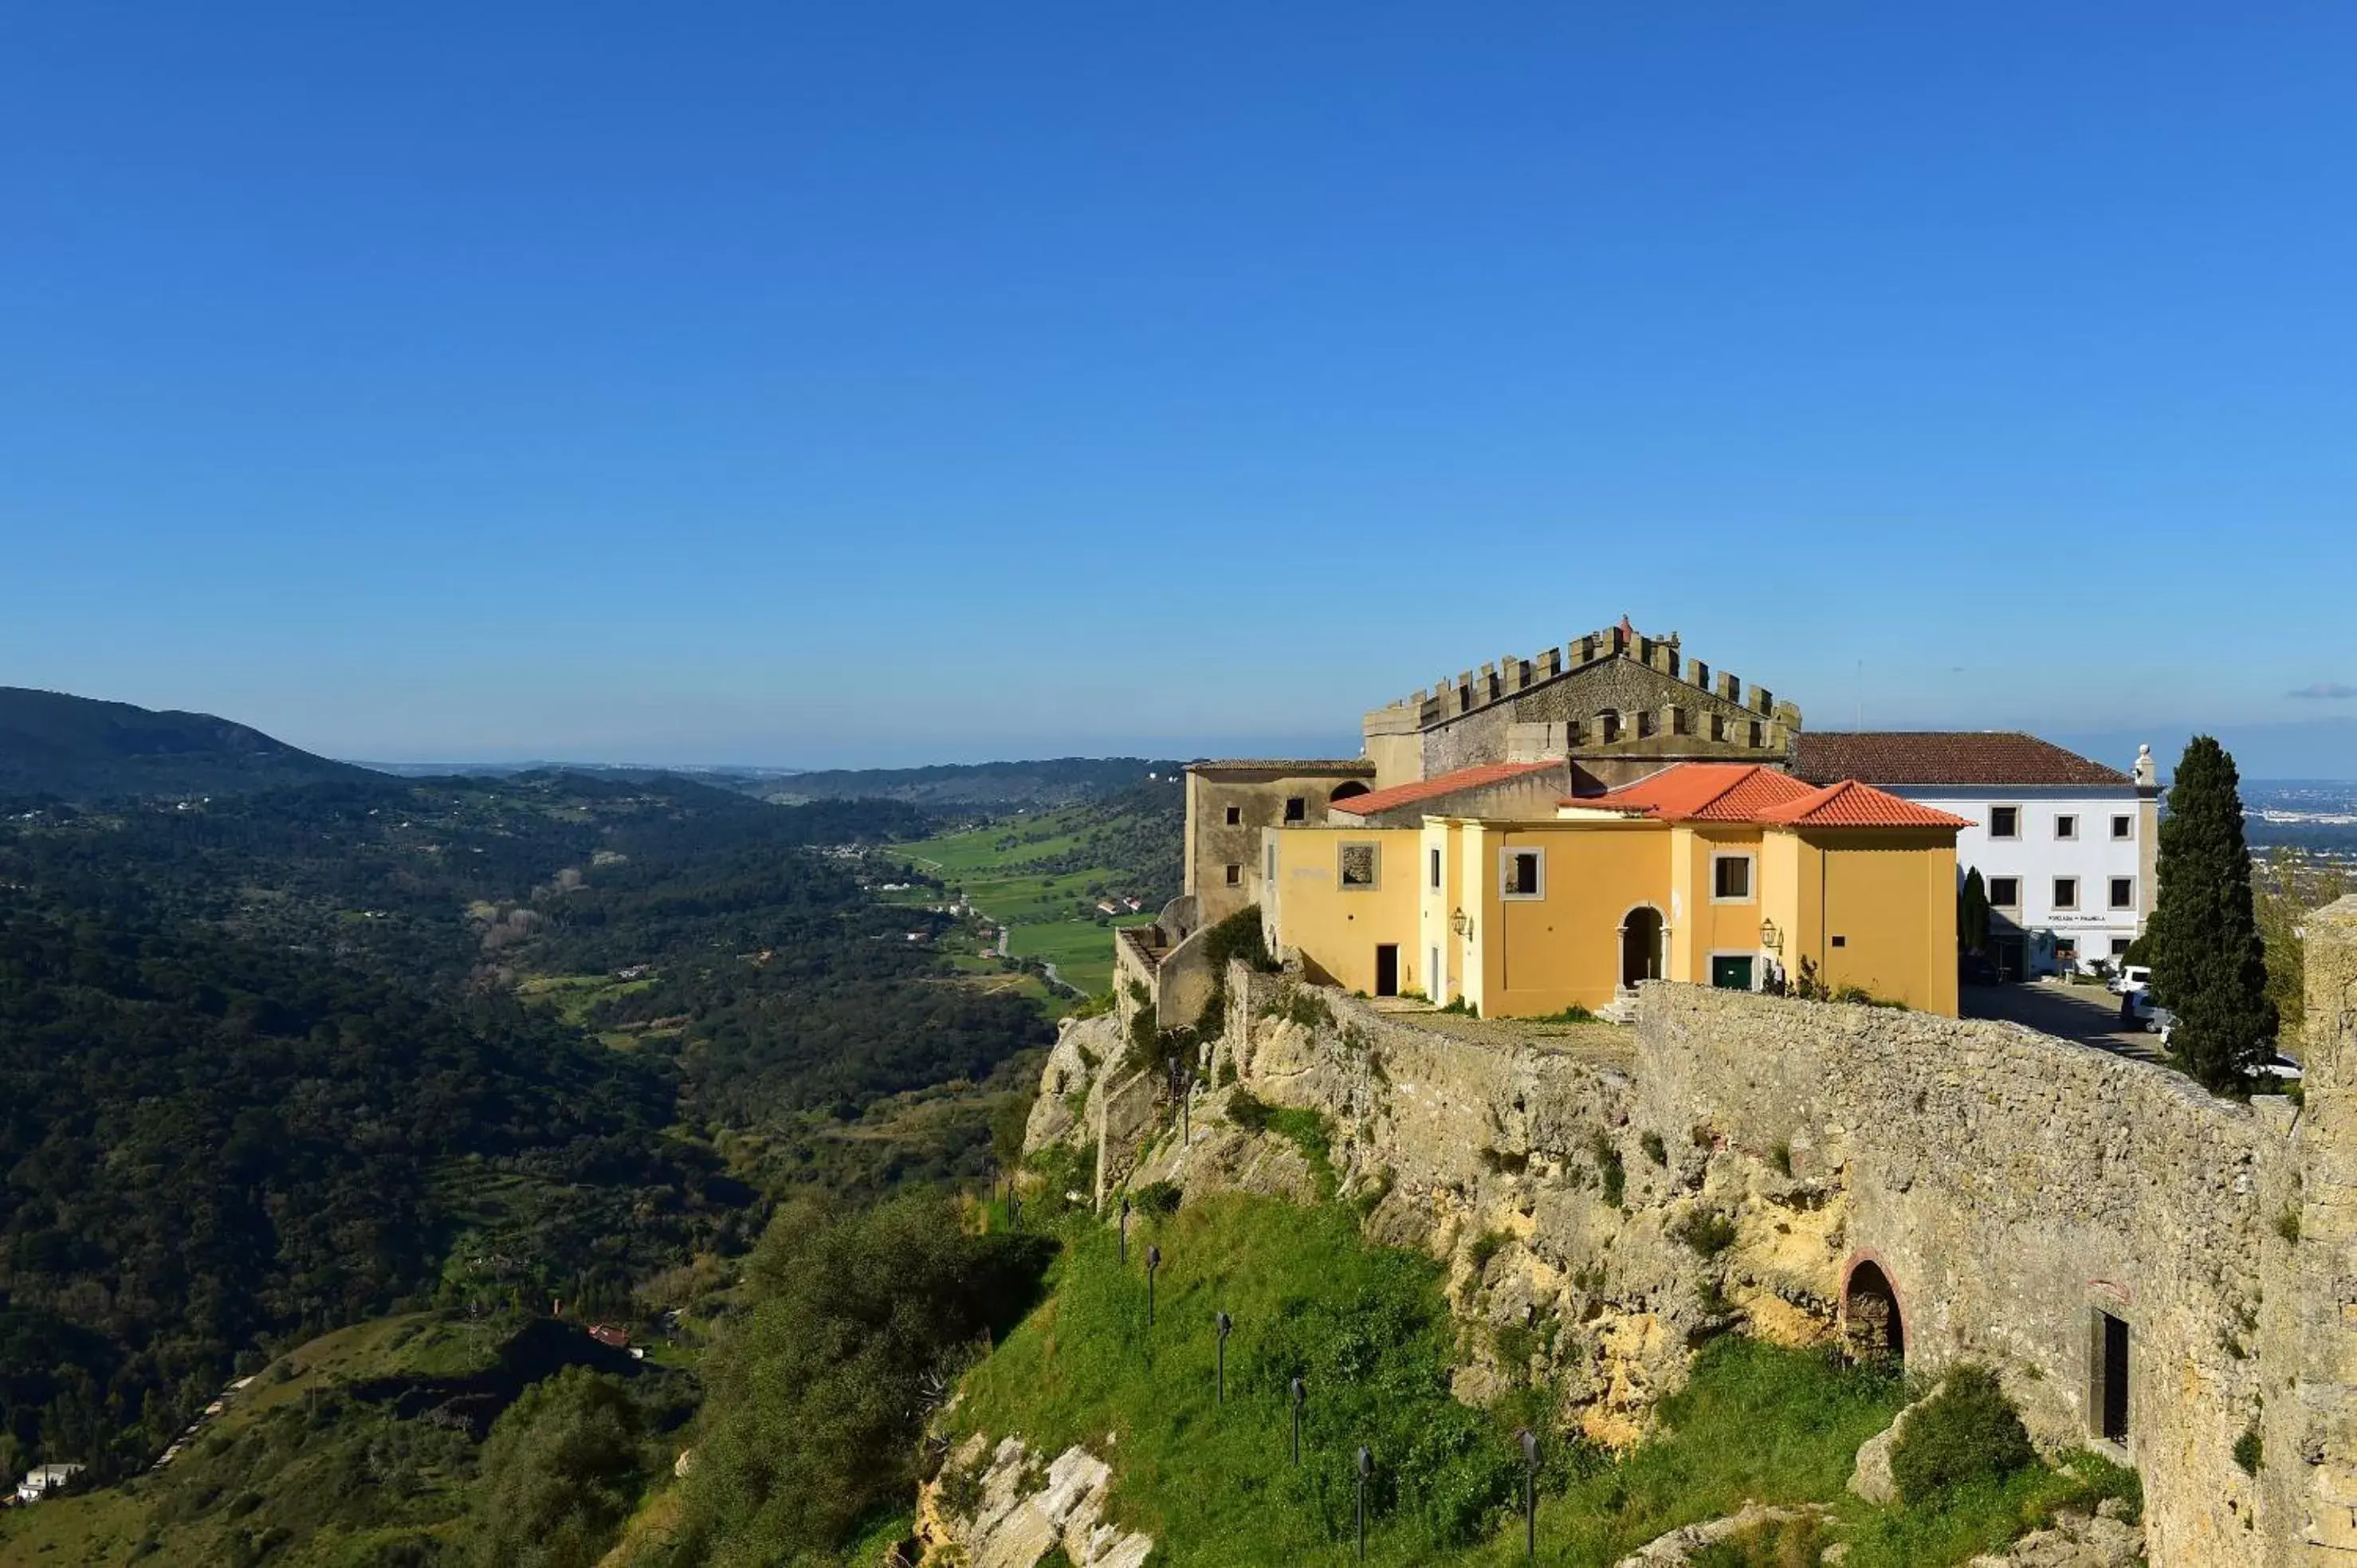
(2066,827)
(2004,892)
(2123,827)
(2119,947)
(1522,873)
(2066,891)
(1268,858)
(1235,875)
(2005,821)
(2123,892)
(1358,867)
(1433,868)
(1235,815)
(1730,880)
(2107,1377)
(1296,808)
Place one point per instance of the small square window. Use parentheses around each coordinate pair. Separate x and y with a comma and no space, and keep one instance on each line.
(1235,875)
(1235,815)
(2120,947)
(2004,892)
(1522,873)
(2066,827)
(2066,891)
(1296,808)
(1730,878)
(1841,941)
(2123,892)
(1433,868)
(1358,865)
(2124,826)
(2005,821)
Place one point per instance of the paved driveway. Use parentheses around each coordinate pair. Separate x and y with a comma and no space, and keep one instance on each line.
(2087,1013)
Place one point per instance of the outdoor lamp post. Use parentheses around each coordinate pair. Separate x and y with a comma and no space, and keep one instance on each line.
(1366,1464)
(1226,1325)
(1297,1421)
(1153,1261)
(1530,1496)
(1125,1232)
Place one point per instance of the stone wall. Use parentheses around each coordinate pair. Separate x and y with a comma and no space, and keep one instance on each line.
(2011,1185)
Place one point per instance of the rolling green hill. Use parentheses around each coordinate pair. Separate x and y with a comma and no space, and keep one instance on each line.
(81,748)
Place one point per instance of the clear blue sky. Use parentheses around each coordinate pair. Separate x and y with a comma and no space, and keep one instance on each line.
(889,383)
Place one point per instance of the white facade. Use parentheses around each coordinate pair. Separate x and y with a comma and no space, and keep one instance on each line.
(2075,873)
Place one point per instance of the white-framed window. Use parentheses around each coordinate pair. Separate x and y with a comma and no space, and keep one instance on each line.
(1522,873)
(2120,947)
(2066,825)
(2123,892)
(2066,891)
(1730,878)
(1432,865)
(2005,821)
(2004,892)
(1358,866)
(2123,825)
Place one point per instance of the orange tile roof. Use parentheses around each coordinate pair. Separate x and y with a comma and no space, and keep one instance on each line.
(1850,804)
(1464,779)
(1737,793)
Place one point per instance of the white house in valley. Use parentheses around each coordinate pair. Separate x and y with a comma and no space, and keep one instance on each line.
(2067,846)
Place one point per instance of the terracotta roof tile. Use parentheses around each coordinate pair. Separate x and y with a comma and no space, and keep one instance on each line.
(1850,804)
(1454,783)
(1900,757)
(1735,792)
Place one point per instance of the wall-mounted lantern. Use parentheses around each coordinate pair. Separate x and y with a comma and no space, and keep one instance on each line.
(1771,937)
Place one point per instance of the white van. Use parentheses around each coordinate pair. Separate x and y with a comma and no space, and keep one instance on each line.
(2132,977)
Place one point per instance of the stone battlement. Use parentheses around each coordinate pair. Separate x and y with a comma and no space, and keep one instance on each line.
(1510,676)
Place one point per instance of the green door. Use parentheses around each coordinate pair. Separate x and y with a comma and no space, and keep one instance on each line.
(1731,973)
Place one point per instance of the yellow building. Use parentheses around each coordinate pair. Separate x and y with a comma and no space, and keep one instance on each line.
(1714,873)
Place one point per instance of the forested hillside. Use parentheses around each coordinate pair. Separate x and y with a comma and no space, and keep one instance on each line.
(276,1063)
(78,747)
(976,787)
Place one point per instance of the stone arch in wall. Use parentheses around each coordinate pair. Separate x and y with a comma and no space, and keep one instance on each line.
(1643,940)
(1346,790)
(1873,1323)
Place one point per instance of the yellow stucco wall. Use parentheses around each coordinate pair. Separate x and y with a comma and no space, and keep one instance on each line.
(1563,950)
(1335,930)
(1890,896)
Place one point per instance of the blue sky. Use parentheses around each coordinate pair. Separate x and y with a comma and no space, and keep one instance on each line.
(809,384)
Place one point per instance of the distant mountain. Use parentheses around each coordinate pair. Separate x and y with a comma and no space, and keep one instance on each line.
(81,748)
(980,786)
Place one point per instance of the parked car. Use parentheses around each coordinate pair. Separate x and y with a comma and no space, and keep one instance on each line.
(1974,968)
(2132,977)
(2281,1068)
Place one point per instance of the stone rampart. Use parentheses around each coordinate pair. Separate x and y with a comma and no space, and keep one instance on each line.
(2012,1187)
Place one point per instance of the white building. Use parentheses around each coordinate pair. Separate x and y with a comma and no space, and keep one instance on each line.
(2067,847)
(42,1481)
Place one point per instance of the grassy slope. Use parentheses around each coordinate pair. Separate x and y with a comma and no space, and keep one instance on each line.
(1212,1483)
(173,1507)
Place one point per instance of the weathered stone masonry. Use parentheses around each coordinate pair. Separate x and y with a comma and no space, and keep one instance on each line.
(2012,1187)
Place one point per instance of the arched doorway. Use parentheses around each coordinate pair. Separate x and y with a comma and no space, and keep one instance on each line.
(1872,1326)
(1640,945)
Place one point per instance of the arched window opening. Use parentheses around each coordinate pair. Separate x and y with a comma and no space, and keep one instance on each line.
(1346,790)
(1872,1329)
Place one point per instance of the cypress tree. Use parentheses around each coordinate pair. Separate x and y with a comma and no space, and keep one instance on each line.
(2209,965)
(1973,913)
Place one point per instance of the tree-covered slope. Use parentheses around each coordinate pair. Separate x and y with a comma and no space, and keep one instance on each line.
(79,748)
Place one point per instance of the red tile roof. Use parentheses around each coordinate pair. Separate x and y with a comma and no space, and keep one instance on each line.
(1850,804)
(1736,792)
(1701,791)
(1943,756)
(1464,779)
